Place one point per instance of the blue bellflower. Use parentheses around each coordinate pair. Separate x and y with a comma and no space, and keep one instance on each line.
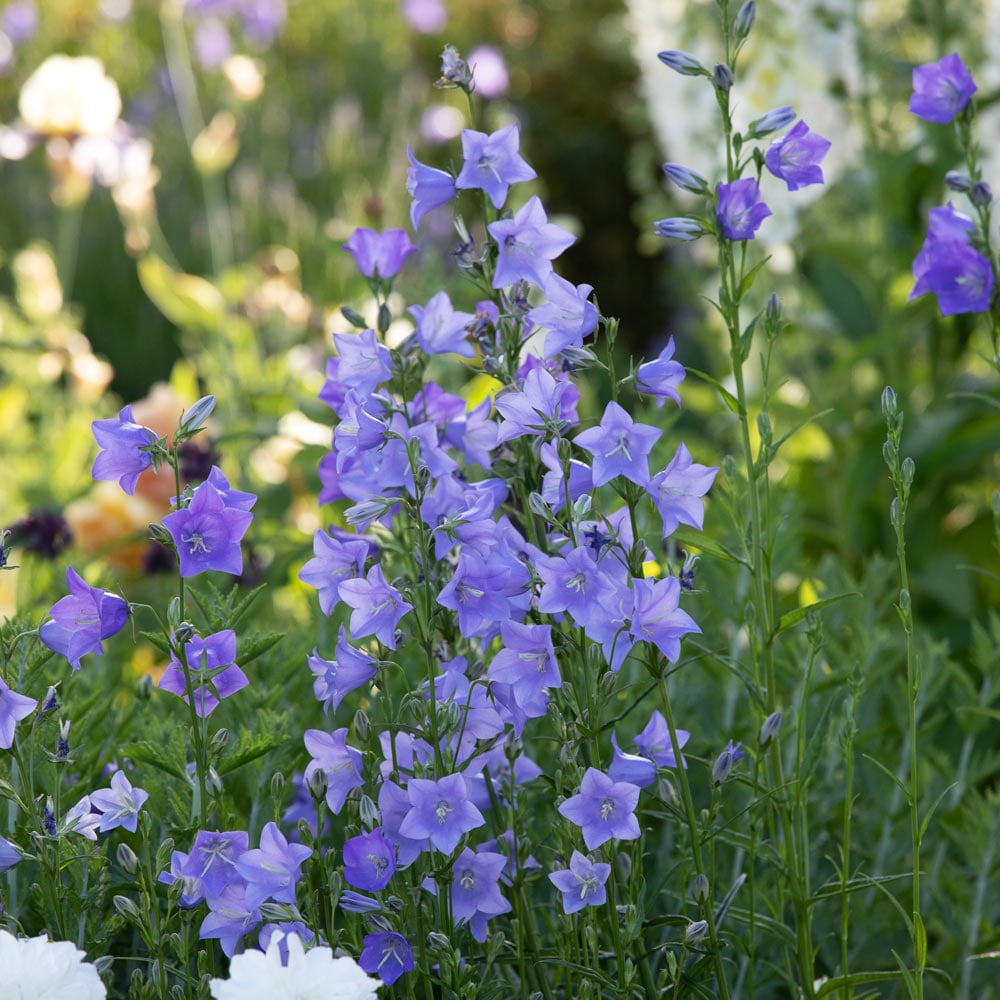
(82,620)
(603,809)
(493,163)
(620,446)
(941,89)
(13,708)
(795,158)
(379,255)
(740,210)
(387,955)
(207,533)
(428,187)
(582,884)
(527,245)
(119,805)
(440,811)
(120,456)
(441,329)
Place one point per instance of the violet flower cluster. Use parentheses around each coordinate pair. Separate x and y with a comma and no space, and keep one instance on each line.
(955,262)
(737,208)
(494,537)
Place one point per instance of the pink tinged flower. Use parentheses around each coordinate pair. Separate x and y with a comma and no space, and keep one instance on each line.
(941,89)
(620,446)
(657,619)
(527,245)
(81,621)
(582,884)
(351,669)
(440,811)
(740,210)
(214,674)
(387,955)
(426,16)
(442,329)
(379,255)
(428,187)
(795,158)
(378,606)
(492,163)
(337,557)
(567,315)
(603,809)
(340,763)
(661,377)
(13,708)
(119,804)
(272,870)
(207,533)
(489,71)
(120,457)
(678,489)
(654,741)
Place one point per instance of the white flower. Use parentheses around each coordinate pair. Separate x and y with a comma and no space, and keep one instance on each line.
(40,969)
(309,975)
(70,96)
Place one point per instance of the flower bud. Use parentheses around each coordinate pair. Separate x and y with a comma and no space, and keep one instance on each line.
(745,18)
(277,784)
(695,931)
(957,181)
(981,194)
(772,311)
(219,741)
(191,422)
(907,470)
(144,688)
(127,908)
(686,178)
(454,71)
(362,726)
(700,888)
(773,121)
(368,811)
(437,941)
(888,402)
(722,77)
(317,784)
(127,858)
(769,728)
(682,62)
(62,743)
(724,762)
(679,228)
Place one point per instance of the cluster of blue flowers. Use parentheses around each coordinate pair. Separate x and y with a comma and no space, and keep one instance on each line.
(483,540)
(956,262)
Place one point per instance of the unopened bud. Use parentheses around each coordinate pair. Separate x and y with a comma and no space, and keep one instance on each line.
(126,908)
(696,931)
(700,888)
(682,62)
(368,811)
(362,726)
(745,20)
(981,194)
(722,77)
(769,728)
(192,421)
(144,687)
(127,858)
(219,741)
(957,181)
(772,311)
(679,228)
(317,784)
(437,941)
(888,402)
(686,178)
(773,121)
(277,784)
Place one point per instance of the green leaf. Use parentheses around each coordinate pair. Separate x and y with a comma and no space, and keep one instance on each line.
(832,889)
(252,647)
(186,300)
(816,743)
(920,940)
(932,810)
(794,617)
(251,748)
(899,784)
(706,545)
(854,979)
(727,397)
(150,753)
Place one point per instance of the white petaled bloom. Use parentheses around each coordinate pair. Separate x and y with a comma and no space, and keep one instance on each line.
(70,96)
(40,969)
(309,975)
